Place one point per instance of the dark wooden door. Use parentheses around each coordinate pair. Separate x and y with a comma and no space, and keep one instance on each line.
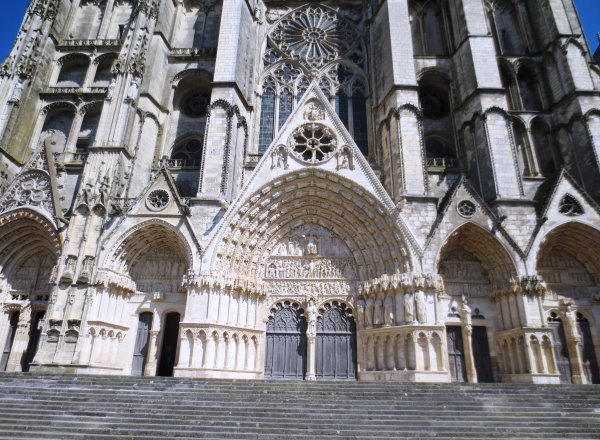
(456,354)
(140,351)
(10,337)
(168,351)
(336,343)
(590,363)
(561,351)
(34,339)
(286,342)
(481,354)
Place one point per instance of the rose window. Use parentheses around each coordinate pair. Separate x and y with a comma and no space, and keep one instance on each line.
(466,208)
(313,143)
(157,200)
(315,35)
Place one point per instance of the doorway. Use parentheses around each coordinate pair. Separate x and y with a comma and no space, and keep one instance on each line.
(10,337)
(34,339)
(456,354)
(481,354)
(140,351)
(286,342)
(168,352)
(336,343)
(561,351)
(588,355)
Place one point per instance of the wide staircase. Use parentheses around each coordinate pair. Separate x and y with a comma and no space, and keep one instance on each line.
(103,407)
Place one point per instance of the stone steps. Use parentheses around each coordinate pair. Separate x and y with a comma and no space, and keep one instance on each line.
(103,407)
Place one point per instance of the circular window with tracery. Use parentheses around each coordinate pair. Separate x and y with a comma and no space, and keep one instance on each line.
(194,104)
(157,200)
(313,143)
(466,208)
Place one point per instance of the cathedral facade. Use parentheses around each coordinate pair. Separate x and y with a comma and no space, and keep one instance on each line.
(401,190)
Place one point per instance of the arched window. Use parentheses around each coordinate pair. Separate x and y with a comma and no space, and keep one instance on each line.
(509,84)
(59,123)
(87,133)
(104,74)
(190,110)
(547,157)
(438,127)
(120,19)
(430,28)
(73,71)
(528,90)
(510,35)
(187,153)
(199,24)
(88,19)
(267,116)
(525,154)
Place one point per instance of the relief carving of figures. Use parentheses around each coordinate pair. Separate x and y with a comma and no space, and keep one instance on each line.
(409,309)
(314,112)
(311,312)
(421,306)
(388,306)
(279,157)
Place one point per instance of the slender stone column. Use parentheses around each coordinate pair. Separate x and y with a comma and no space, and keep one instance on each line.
(150,369)
(467,334)
(311,337)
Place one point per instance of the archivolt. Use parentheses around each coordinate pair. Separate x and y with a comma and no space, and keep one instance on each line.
(142,239)
(24,232)
(486,248)
(310,196)
(579,240)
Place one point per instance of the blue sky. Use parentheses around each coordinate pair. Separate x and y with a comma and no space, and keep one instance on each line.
(11,16)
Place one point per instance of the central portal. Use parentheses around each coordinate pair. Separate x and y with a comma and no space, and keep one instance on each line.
(311,265)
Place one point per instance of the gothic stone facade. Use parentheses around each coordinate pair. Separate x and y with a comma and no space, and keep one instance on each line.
(376,190)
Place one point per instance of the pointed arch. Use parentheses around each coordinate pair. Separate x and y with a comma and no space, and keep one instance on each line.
(483,251)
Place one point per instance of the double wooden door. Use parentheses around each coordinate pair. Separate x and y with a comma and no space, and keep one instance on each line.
(481,354)
(286,352)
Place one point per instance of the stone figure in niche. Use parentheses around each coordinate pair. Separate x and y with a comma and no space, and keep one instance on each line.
(111,88)
(279,158)
(311,245)
(378,310)
(421,306)
(388,307)
(369,313)
(409,308)
(344,159)
(133,90)
(311,311)
(361,311)
(17,91)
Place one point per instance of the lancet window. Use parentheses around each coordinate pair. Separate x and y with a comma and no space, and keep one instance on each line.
(315,43)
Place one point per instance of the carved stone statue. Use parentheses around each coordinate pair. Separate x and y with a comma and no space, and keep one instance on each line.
(421,306)
(409,308)
(378,311)
(369,312)
(311,245)
(311,312)
(134,89)
(465,312)
(111,89)
(17,91)
(361,311)
(388,307)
